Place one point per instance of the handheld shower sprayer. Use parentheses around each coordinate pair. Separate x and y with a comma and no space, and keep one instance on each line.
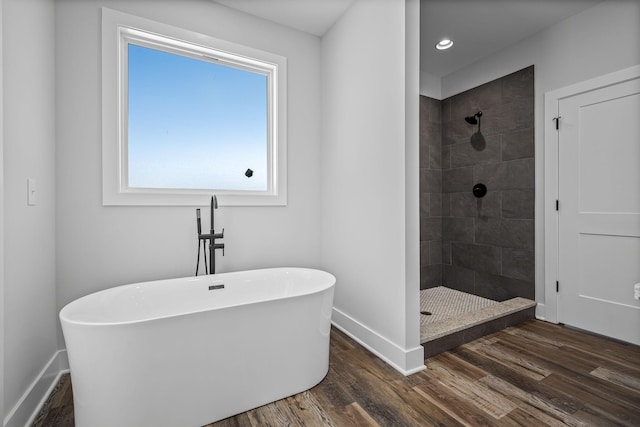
(214,205)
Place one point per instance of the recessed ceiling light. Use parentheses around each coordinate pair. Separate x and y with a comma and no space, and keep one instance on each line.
(444,44)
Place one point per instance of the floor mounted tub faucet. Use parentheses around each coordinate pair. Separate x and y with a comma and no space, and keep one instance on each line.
(210,238)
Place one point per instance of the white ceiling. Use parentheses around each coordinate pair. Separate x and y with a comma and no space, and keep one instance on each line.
(482,27)
(478,27)
(310,16)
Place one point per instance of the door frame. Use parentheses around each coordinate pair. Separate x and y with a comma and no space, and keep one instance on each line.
(551,185)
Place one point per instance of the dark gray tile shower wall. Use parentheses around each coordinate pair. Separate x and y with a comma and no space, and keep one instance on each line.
(430,193)
(487,244)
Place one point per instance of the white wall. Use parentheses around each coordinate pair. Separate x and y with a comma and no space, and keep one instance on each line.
(363,176)
(100,247)
(29,234)
(600,40)
(412,184)
(430,85)
(1,224)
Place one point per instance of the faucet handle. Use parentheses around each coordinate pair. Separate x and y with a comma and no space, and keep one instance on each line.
(219,246)
(218,235)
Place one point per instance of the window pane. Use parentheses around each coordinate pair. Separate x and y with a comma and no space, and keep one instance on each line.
(194,124)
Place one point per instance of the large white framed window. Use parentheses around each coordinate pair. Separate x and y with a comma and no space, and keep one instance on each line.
(185,114)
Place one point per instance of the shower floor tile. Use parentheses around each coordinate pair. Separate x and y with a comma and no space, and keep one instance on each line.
(453,312)
(444,303)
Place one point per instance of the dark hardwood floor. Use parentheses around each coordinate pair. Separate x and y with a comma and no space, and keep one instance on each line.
(533,374)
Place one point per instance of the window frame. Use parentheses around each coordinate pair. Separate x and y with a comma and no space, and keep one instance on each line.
(120,29)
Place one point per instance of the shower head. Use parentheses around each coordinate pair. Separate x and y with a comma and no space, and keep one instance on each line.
(472,120)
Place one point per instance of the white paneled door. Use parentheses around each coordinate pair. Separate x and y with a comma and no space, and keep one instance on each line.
(599,210)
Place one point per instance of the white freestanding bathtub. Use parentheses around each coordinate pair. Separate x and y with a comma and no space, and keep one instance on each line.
(187,352)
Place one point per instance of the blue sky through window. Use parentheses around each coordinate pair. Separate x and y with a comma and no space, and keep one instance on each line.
(194,124)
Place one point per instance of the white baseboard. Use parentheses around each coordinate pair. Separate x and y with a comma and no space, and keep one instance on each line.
(25,411)
(406,361)
(541,312)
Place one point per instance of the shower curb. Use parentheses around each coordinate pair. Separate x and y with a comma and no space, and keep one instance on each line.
(450,333)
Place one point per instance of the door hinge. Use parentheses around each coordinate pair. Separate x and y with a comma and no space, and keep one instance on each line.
(557,286)
(557,204)
(557,120)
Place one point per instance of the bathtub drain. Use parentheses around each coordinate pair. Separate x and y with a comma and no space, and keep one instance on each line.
(214,287)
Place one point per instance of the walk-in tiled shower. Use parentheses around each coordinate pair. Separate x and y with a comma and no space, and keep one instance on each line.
(479,244)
